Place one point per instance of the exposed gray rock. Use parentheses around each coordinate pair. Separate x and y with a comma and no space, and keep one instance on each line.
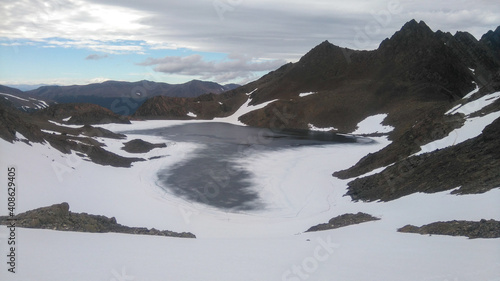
(472,165)
(471,229)
(342,221)
(58,217)
(140,146)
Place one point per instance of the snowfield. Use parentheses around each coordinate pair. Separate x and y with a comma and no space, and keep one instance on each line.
(267,244)
(373,125)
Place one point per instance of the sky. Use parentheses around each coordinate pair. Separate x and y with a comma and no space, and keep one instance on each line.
(69,42)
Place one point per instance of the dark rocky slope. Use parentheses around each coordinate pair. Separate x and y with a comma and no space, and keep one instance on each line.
(12,120)
(434,126)
(205,106)
(81,114)
(58,217)
(22,100)
(473,166)
(64,139)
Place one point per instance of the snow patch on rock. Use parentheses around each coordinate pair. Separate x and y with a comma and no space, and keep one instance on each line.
(373,125)
(476,105)
(307,94)
(314,128)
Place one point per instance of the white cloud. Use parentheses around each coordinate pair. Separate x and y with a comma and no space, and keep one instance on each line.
(276,29)
(280,30)
(58,81)
(96,57)
(235,67)
(77,23)
(97,80)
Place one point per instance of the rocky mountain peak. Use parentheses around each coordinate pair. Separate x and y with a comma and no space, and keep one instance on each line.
(414,26)
(492,40)
(465,36)
(325,60)
(412,33)
(492,36)
(321,51)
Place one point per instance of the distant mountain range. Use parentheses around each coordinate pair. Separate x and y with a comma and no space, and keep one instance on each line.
(27,87)
(120,97)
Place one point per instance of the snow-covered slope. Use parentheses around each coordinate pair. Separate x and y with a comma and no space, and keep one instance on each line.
(268,244)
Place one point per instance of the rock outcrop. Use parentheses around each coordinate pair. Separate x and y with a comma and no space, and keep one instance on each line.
(471,229)
(140,146)
(58,217)
(16,125)
(343,221)
(472,165)
(13,121)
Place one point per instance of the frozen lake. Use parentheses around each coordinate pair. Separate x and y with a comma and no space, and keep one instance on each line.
(214,174)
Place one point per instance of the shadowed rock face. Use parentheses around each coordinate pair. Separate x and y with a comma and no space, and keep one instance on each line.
(471,229)
(58,217)
(472,165)
(206,106)
(13,120)
(24,101)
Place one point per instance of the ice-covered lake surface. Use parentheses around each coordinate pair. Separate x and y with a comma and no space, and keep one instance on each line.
(214,173)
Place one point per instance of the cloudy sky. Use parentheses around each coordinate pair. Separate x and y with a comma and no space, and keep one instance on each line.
(83,41)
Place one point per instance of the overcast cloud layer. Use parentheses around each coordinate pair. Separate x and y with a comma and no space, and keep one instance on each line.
(256,35)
